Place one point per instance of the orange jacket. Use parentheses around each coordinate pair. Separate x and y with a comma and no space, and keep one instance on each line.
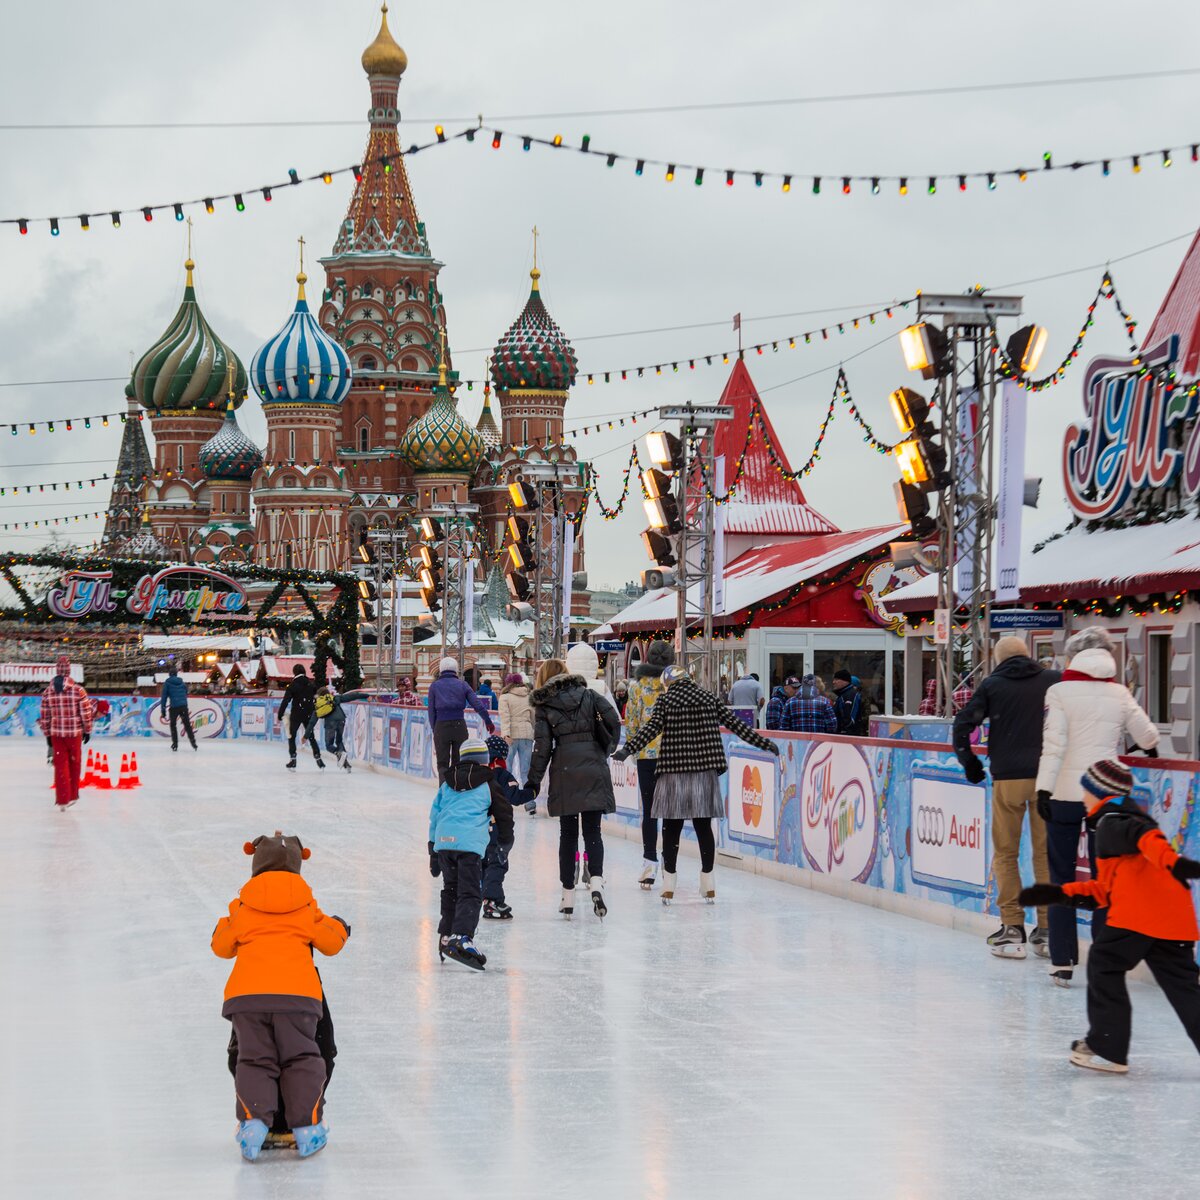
(269,930)
(1134,880)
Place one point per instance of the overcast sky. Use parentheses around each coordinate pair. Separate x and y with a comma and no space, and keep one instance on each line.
(619,254)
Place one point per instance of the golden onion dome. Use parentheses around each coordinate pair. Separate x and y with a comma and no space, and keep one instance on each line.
(383,56)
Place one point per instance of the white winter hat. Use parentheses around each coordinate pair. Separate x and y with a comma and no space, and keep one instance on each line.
(448,664)
(583,660)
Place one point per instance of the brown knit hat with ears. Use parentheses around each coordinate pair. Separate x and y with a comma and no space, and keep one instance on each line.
(277,853)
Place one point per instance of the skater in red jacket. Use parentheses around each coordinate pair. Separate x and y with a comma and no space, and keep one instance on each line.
(274,995)
(66,721)
(1144,884)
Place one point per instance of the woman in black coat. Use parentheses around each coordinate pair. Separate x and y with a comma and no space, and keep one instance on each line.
(574,732)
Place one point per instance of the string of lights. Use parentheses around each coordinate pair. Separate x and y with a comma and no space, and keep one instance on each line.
(839,181)
(29,488)
(210,202)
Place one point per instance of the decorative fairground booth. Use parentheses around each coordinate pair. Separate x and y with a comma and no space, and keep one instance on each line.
(1130,558)
(87,599)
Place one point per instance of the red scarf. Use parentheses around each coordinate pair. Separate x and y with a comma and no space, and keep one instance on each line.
(1070,676)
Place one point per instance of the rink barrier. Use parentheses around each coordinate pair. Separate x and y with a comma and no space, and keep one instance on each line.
(889,822)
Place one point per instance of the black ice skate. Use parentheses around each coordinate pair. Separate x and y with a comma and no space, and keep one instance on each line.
(1039,942)
(291,764)
(1008,941)
(496,910)
(463,950)
(320,762)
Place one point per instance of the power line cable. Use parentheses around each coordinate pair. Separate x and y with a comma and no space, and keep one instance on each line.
(645,110)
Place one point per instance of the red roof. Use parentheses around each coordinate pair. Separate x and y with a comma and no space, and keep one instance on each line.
(1180,313)
(765,501)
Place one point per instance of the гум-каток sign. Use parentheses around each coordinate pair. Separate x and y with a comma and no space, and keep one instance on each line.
(197,591)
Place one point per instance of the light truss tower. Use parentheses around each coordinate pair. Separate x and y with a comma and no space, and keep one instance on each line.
(458,541)
(966,403)
(550,521)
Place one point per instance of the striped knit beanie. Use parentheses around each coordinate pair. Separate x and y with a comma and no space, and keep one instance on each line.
(1107,778)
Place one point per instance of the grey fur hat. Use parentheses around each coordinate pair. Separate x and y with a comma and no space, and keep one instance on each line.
(660,654)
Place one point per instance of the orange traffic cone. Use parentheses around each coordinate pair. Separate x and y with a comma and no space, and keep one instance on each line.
(88,778)
(127,779)
(133,781)
(103,774)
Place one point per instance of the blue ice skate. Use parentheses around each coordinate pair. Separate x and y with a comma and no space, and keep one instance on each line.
(310,1138)
(250,1137)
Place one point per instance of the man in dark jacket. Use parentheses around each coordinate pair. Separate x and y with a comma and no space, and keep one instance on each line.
(1011,699)
(300,697)
(777,705)
(175,695)
(850,705)
(449,697)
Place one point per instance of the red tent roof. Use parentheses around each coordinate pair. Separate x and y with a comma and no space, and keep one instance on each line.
(1180,313)
(765,501)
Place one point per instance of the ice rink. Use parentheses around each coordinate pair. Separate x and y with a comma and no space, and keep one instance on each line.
(782,1043)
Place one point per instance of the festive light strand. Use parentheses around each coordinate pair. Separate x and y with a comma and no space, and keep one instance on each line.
(66,485)
(209,202)
(840,181)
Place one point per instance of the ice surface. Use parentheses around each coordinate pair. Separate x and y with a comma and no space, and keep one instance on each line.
(781,1043)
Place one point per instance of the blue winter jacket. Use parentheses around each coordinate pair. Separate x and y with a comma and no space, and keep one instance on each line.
(174,693)
(448,698)
(459,820)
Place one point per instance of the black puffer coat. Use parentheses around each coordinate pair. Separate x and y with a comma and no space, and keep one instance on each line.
(574,732)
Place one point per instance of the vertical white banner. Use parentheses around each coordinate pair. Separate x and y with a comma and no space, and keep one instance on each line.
(568,570)
(718,563)
(1012,491)
(967,534)
(468,578)
(397,616)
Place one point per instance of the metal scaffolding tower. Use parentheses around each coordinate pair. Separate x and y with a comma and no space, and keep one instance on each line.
(966,403)
(458,565)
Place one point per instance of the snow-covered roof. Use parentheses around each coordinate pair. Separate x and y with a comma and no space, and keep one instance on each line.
(1087,562)
(161,641)
(758,575)
(1180,313)
(279,667)
(766,502)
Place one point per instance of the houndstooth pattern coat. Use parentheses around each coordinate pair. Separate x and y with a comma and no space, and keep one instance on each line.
(689,720)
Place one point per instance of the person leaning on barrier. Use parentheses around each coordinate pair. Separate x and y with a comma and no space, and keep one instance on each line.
(1011,700)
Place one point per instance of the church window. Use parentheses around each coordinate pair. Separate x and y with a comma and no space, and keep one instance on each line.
(367,363)
(223,499)
(287,557)
(525,433)
(291,445)
(378,481)
(364,438)
(409,363)
(316,446)
(179,457)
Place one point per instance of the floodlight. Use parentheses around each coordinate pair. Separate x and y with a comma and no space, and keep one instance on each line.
(659,547)
(924,347)
(665,450)
(1025,347)
(909,408)
(522,494)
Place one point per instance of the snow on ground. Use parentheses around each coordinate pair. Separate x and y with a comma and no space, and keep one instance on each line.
(781,1043)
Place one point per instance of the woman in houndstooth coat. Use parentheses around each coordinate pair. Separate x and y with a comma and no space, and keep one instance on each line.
(691,761)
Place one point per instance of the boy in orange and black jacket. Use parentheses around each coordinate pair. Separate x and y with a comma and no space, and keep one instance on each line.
(1144,885)
(274,996)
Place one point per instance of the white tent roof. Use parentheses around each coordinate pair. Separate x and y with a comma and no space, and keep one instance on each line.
(197,642)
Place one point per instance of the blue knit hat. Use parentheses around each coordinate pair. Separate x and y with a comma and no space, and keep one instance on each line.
(1107,779)
(473,750)
(497,747)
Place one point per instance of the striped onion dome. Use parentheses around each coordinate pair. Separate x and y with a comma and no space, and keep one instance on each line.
(534,353)
(229,453)
(188,367)
(441,440)
(488,429)
(301,364)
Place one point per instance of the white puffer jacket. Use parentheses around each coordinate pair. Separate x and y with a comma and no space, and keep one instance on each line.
(1087,720)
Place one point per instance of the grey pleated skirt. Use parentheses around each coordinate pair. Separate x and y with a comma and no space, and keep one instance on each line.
(687,795)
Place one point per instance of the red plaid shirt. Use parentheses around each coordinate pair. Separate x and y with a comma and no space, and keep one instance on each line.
(67,713)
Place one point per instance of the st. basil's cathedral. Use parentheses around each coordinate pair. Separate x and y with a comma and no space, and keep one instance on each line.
(363,430)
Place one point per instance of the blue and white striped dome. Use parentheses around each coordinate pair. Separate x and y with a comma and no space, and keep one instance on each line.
(301,364)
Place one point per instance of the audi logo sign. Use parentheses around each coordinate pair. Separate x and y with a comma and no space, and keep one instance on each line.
(948,842)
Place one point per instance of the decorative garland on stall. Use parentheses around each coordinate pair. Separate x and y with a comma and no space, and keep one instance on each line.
(339,623)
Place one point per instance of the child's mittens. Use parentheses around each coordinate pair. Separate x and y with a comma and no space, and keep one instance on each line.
(1185,869)
(1041,894)
(343,923)
(435,867)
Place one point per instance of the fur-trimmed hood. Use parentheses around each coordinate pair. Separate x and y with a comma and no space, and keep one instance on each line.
(560,683)
(647,671)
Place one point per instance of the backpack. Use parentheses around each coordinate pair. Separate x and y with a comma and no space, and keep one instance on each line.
(324,705)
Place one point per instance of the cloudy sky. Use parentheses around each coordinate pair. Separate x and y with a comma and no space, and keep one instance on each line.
(620,254)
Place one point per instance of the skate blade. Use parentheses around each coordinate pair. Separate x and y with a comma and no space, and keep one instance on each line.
(710,899)
(566,913)
(667,898)
(1009,950)
(1092,1062)
(647,885)
(280,1141)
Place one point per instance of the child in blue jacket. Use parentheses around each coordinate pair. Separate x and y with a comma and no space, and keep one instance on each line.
(458,839)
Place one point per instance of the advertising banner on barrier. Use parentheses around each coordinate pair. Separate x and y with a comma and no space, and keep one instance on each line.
(207,716)
(625,785)
(840,830)
(948,849)
(752,797)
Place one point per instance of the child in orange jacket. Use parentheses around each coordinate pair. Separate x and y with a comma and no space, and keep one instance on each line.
(1144,884)
(274,995)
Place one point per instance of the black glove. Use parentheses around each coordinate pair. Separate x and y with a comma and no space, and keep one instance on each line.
(1043,805)
(1041,894)
(1152,752)
(343,923)
(621,755)
(87,737)
(1185,869)
(435,867)
(973,769)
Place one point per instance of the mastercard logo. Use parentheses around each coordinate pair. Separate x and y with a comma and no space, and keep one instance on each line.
(752,796)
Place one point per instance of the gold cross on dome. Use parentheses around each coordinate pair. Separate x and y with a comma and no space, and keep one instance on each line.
(535,238)
(301,241)
(189,236)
